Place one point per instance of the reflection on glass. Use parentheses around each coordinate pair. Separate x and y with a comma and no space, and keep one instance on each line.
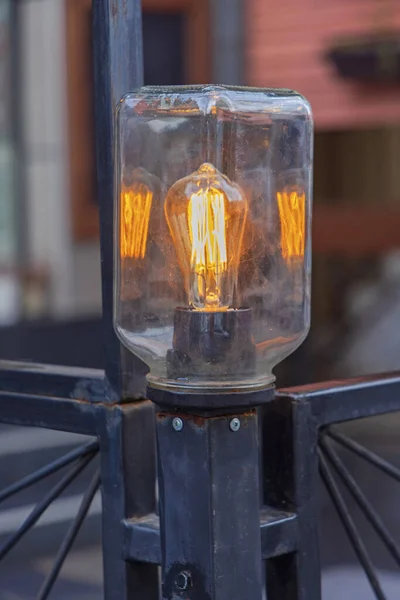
(291,203)
(135,210)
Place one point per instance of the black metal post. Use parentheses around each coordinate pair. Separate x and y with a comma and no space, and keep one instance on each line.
(128,490)
(118,64)
(290,468)
(228,41)
(209,506)
(125,432)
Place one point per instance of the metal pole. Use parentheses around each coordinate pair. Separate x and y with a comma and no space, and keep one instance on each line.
(290,469)
(209,496)
(209,506)
(228,31)
(118,65)
(126,432)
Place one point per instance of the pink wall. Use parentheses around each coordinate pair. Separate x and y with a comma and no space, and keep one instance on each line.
(286,43)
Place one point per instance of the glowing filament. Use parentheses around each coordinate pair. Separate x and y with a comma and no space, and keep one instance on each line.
(135,217)
(207,232)
(291,206)
(206,214)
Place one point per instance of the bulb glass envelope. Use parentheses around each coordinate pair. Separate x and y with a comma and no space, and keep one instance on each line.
(212,233)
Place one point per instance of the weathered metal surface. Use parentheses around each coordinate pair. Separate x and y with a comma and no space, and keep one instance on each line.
(118,64)
(142,543)
(290,480)
(209,508)
(64,414)
(228,41)
(127,447)
(279,532)
(55,380)
(142,539)
(126,433)
(336,401)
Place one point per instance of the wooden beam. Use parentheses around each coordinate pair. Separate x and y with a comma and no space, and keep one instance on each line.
(80,119)
(355,232)
(166,5)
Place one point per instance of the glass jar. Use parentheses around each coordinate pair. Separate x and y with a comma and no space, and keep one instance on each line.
(212,233)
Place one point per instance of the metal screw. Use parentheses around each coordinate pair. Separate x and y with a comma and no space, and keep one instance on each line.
(183,581)
(234,425)
(177,424)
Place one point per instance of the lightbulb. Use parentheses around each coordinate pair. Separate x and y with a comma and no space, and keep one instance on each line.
(206,214)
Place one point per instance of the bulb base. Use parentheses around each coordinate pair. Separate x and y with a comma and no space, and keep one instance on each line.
(204,403)
(212,345)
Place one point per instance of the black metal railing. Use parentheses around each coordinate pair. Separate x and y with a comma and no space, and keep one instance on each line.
(296,426)
(209,507)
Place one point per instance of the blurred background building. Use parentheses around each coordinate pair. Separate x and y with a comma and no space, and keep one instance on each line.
(343,55)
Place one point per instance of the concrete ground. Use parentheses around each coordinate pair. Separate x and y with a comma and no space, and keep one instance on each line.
(80,579)
(350,583)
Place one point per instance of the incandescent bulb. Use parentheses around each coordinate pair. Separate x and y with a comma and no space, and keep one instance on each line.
(206,215)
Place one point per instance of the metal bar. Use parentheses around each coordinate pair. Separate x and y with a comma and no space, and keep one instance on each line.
(364,453)
(52,467)
(279,535)
(290,480)
(209,507)
(118,65)
(70,537)
(337,401)
(54,380)
(126,434)
(63,414)
(350,527)
(228,35)
(142,540)
(279,532)
(39,509)
(368,510)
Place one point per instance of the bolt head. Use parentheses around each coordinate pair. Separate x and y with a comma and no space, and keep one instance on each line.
(234,425)
(177,424)
(183,581)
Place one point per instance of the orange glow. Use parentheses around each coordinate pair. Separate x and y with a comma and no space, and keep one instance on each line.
(292,215)
(135,216)
(206,215)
